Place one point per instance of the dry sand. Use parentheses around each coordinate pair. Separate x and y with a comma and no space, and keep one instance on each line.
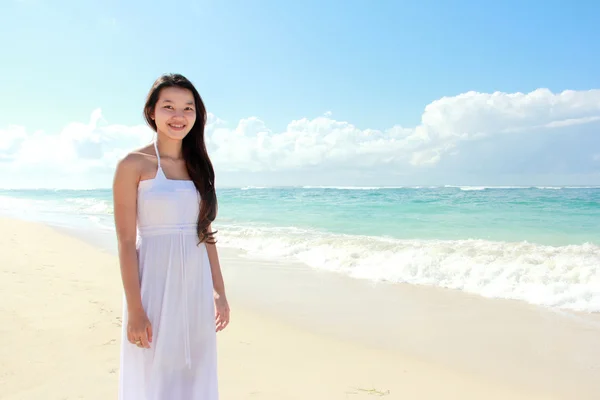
(60,317)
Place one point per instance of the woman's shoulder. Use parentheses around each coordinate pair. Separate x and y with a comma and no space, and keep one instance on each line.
(137,162)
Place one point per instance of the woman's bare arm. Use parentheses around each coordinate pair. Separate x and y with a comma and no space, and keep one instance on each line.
(215,268)
(125,213)
(221,303)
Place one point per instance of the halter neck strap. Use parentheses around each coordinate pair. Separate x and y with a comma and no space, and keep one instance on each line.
(159,171)
(157,155)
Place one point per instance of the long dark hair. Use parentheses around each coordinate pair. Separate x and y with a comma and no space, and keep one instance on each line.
(194,152)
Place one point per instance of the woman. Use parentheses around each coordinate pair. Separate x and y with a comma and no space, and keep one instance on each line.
(174,295)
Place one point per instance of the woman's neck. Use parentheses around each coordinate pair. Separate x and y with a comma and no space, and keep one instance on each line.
(169,148)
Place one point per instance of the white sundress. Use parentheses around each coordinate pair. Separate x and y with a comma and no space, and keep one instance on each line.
(177,295)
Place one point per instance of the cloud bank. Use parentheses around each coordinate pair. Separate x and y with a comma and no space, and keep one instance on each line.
(486,134)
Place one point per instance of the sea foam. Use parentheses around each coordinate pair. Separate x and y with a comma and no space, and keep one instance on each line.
(566,277)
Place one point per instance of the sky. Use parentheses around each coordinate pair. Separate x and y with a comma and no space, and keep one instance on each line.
(352,93)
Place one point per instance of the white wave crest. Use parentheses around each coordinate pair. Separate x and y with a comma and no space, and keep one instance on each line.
(565,277)
(353,187)
(90,205)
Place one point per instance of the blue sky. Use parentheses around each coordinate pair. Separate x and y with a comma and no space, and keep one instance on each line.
(373,65)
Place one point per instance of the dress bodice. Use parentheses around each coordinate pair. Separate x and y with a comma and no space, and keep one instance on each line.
(167,204)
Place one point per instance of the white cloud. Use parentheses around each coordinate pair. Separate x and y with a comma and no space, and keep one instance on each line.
(78,146)
(445,124)
(503,125)
(473,114)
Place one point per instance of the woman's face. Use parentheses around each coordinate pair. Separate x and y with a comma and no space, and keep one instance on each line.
(175,112)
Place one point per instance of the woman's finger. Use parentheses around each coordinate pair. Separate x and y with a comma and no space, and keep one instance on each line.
(149,332)
(144,339)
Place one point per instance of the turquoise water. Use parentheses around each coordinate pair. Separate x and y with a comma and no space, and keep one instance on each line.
(549,216)
(546,216)
(539,245)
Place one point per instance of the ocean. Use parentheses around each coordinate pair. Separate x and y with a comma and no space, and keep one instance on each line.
(540,245)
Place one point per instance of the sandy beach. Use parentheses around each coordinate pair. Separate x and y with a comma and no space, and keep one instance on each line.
(60,318)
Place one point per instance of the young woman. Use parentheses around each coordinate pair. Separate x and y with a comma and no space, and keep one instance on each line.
(174,295)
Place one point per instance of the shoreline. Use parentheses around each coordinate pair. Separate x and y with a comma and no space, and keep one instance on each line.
(358,334)
(529,345)
(552,262)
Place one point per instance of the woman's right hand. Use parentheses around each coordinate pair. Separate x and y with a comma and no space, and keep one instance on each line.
(139,329)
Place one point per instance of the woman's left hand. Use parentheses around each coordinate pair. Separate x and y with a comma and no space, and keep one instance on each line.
(221,312)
